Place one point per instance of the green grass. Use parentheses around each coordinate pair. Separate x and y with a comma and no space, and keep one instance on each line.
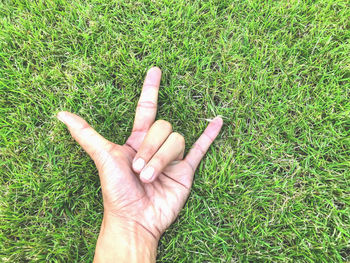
(275,186)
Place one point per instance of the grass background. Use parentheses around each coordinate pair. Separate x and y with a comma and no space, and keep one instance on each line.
(275,185)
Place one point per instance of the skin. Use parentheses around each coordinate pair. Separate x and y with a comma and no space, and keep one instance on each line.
(144,182)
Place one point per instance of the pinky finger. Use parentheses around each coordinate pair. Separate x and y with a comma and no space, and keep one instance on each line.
(201,146)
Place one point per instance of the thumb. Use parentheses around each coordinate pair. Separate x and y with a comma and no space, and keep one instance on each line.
(92,142)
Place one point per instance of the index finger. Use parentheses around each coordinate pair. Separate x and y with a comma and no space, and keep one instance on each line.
(147,106)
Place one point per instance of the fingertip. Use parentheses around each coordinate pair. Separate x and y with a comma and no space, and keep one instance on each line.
(218,120)
(138,165)
(61,116)
(216,123)
(155,70)
(71,120)
(147,174)
(153,77)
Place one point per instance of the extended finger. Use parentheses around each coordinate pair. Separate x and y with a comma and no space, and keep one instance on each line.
(154,139)
(147,105)
(170,151)
(201,146)
(81,131)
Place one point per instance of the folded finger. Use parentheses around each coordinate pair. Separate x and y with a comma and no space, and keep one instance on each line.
(156,136)
(171,150)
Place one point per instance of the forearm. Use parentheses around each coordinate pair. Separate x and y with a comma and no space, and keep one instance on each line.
(119,241)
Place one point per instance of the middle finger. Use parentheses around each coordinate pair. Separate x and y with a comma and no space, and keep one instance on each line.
(156,136)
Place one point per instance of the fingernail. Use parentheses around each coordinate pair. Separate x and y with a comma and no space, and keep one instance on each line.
(139,164)
(147,173)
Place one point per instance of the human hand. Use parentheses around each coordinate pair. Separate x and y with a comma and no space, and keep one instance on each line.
(144,182)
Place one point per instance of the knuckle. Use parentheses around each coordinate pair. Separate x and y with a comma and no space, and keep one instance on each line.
(86,132)
(199,148)
(159,162)
(147,152)
(164,124)
(178,138)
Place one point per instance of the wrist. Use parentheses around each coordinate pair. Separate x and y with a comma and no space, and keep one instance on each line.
(122,240)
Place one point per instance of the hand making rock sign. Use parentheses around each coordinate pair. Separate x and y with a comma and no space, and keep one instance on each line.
(144,182)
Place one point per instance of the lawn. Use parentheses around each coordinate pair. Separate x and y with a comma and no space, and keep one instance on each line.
(275,185)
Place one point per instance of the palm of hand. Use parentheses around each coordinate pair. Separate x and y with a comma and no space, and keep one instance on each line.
(153,205)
